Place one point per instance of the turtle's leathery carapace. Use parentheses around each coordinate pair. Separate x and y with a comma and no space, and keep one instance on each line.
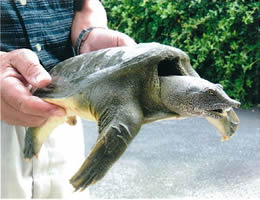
(123,88)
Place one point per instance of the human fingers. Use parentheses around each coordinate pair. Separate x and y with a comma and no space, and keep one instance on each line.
(27,63)
(124,40)
(105,38)
(19,97)
(19,118)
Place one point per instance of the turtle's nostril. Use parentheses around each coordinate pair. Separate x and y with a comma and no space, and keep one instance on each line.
(236,104)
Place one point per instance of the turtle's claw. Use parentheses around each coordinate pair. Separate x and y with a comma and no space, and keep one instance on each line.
(93,169)
(83,181)
(72,120)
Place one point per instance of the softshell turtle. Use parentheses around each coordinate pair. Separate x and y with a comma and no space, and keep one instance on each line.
(123,88)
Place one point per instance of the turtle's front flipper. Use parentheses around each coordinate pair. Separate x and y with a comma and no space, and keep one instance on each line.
(35,137)
(113,140)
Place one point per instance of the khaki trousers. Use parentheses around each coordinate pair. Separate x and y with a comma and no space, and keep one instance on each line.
(48,176)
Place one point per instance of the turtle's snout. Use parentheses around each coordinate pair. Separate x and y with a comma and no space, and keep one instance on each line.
(235,104)
(225,98)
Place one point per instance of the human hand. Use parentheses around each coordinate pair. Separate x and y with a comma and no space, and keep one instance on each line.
(20,70)
(101,38)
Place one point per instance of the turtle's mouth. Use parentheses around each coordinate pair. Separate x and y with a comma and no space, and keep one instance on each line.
(218,110)
(227,125)
(215,113)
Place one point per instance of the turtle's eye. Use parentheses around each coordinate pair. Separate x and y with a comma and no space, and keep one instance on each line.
(210,91)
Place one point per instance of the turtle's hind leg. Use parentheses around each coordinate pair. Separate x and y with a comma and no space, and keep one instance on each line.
(35,137)
(30,146)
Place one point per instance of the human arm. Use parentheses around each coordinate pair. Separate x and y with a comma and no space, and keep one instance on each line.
(19,71)
(93,14)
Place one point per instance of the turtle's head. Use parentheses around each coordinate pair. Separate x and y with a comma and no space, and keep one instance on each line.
(194,96)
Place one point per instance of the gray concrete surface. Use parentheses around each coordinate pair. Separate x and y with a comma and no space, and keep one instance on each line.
(185,159)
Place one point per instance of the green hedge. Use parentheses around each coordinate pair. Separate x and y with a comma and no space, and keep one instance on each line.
(221,37)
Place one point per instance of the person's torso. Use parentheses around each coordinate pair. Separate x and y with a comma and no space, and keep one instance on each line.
(42,26)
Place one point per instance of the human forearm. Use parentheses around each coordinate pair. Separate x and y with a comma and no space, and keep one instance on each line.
(91,14)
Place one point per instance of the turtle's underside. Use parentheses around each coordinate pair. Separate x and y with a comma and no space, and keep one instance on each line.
(123,88)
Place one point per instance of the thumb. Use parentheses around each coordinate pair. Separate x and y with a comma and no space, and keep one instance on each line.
(27,63)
